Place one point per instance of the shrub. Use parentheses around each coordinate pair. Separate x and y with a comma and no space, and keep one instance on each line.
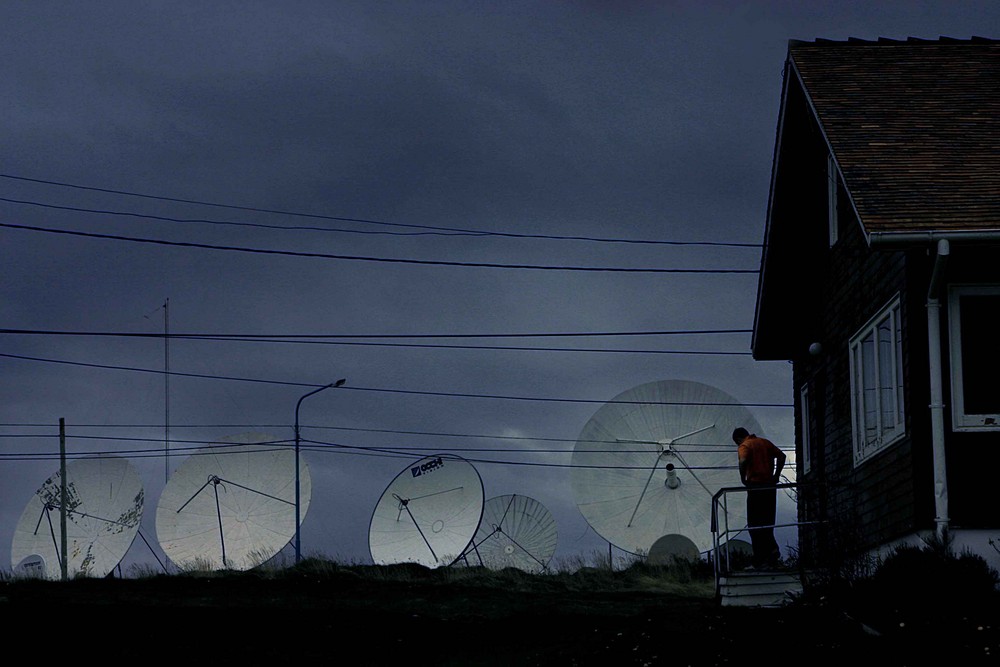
(932,576)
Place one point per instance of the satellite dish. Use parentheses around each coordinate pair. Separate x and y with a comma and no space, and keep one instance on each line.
(428,514)
(649,461)
(516,531)
(31,567)
(672,548)
(104,503)
(740,547)
(232,505)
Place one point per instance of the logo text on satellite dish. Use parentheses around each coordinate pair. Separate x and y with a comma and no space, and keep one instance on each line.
(427,467)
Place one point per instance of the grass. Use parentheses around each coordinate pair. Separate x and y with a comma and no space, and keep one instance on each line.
(932,572)
(581,611)
(683,578)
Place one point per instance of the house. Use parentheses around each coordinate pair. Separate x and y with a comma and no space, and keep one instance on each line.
(880,269)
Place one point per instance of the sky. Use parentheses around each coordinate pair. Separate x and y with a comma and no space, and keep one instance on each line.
(428,181)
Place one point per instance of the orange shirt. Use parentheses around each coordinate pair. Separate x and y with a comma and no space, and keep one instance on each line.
(760,454)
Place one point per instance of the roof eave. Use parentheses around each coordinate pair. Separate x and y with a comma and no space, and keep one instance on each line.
(884,239)
(754,341)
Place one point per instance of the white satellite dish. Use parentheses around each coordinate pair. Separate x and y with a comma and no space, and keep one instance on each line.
(428,514)
(649,461)
(516,531)
(231,506)
(104,504)
(669,549)
(31,567)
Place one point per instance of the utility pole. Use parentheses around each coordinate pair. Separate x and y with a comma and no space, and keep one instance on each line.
(166,390)
(63,567)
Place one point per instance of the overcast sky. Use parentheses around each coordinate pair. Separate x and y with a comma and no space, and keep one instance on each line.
(398,130)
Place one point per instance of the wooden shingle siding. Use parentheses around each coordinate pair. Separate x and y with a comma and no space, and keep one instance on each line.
(879,492)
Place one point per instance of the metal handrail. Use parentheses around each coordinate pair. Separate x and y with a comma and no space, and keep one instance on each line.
(720,501)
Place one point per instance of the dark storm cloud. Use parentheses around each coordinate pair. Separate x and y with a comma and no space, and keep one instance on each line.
(622,120)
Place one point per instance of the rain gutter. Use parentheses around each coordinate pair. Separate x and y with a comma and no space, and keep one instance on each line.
(909,238)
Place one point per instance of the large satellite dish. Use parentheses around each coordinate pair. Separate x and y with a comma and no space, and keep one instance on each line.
(104,504)
(232,505)
(649,461)
(516,531)
(428,514)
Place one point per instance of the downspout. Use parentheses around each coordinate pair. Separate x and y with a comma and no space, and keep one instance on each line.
(937,393)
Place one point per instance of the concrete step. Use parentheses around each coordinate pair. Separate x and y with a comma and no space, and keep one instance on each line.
(759,589)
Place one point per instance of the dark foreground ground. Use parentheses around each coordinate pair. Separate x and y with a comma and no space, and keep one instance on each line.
(359,616)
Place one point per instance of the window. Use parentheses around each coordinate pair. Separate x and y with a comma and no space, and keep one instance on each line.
(974,361)
(876,365)
(804,425)
(831,198)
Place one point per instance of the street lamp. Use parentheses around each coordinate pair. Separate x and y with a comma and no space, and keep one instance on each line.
(298,497)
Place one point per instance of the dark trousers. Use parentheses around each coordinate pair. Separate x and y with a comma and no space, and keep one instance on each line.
(761,506)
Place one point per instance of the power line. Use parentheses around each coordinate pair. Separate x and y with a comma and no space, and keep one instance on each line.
(359,258)
(492,347)
(297,341)
(155,371)
(378,389)
(435,434)
(323,447)
(259,225)
(547,334)
(451,230)
(687,448)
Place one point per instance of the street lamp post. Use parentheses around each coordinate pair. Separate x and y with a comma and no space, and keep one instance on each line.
(298,496)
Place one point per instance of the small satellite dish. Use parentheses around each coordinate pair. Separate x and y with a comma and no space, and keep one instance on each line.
(232,505)
(670,549)
(104,504)
(516,531)
(31,567)
(428,514)
(649,461)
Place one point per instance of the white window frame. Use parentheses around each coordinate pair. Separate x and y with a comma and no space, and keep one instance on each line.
(804,425)
(960,420)
(878,418)
(831,199)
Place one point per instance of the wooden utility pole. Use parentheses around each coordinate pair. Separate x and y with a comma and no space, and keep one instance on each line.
(166,391)
(63,566)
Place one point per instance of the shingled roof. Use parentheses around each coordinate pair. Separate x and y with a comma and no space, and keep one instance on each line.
(914,126)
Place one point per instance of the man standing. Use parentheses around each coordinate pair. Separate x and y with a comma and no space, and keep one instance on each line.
(761,463)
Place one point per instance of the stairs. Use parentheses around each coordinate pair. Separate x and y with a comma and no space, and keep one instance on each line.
(759,588)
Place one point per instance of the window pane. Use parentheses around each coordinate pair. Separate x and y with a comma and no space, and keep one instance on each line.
(869,390)
(857,407)
(806,439)
(886,375)
(980,361)
(899,370)
(877,383)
